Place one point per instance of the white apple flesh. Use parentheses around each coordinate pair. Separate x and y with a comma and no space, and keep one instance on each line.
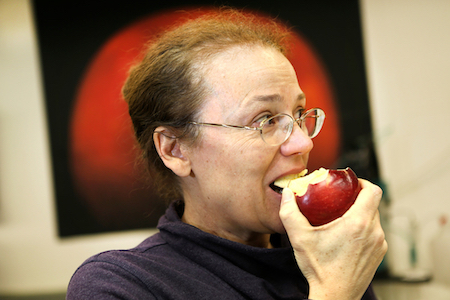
(323,195)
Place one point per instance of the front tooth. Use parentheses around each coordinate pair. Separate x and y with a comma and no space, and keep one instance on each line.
(286,180)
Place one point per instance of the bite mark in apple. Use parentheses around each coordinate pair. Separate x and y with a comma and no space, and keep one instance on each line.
(323,195)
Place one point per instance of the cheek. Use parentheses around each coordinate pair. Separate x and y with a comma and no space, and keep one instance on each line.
(238,159)
(248,158)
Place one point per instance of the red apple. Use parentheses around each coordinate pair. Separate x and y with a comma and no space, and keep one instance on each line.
(323,195)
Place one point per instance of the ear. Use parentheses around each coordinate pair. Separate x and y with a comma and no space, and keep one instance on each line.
(171,151)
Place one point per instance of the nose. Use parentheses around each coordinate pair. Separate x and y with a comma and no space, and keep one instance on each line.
(298,143)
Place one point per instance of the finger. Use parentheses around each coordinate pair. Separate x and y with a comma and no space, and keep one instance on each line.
(290,214)
(368,200)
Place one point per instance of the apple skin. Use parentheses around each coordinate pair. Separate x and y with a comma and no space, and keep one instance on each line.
(329,199)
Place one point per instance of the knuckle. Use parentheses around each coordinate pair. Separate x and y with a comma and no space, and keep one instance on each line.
(381,239)
(359,224)
(377,191)
(385,247)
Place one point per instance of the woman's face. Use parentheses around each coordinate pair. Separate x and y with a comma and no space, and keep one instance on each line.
(229,190)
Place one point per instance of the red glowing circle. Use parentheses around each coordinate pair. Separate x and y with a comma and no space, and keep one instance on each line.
(102,147)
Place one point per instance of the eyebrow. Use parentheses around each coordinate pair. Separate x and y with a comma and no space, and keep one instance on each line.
(276,97)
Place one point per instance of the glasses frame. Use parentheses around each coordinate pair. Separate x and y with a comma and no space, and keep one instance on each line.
(320,115)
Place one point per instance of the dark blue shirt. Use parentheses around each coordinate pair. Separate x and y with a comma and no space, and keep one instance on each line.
(183,262)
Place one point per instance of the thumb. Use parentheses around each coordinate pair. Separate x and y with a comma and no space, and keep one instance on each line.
(290,214)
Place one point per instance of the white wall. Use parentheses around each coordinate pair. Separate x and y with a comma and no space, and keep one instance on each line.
(32,257)
(407,46)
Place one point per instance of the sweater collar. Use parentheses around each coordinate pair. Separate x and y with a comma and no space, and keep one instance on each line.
(185,238)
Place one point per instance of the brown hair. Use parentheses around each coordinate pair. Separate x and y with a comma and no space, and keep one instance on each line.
(167,88)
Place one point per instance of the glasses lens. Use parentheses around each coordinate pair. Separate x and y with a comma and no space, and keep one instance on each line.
(309,124)
(312,122)
(277,129)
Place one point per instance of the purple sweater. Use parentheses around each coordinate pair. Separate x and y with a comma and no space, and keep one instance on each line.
(183,262)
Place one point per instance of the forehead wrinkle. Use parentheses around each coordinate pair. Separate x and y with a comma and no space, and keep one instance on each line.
(267,98)
(254,100)
(270,98)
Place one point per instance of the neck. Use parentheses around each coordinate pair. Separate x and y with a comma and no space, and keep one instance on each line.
(202,221)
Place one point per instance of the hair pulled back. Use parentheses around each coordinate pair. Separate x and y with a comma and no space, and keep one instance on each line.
(167,87)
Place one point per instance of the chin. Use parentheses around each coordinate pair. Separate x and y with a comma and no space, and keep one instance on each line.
(271,220)
(275,225)
(280,230)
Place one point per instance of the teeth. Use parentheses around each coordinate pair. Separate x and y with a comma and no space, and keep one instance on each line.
(284,182)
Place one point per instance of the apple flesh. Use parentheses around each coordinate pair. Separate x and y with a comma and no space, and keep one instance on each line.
(323,195)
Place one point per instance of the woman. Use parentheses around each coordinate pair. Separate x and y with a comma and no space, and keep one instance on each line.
(195,101)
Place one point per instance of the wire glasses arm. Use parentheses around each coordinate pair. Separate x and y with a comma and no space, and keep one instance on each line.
(225,125)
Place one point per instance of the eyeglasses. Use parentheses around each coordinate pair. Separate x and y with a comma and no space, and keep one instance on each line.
(277,129)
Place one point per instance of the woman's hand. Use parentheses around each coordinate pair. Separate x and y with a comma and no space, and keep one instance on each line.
(339,259)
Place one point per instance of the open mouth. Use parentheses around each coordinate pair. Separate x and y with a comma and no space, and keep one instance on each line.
(276,188)
(283,182)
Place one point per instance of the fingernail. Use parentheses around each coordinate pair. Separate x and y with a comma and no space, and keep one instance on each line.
(287,195)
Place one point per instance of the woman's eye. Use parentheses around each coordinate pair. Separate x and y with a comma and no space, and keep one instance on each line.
(260,120)
(299,113)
